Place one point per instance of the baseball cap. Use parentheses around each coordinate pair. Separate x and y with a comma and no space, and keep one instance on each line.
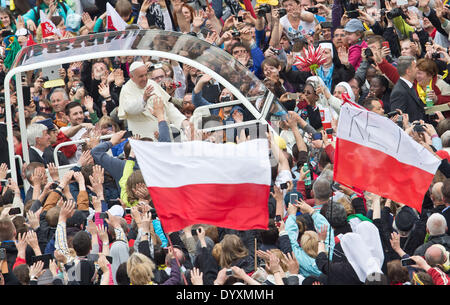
(48,123)
(354,25)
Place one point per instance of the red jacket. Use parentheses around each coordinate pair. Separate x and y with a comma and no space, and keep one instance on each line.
(439,277)
(69,150)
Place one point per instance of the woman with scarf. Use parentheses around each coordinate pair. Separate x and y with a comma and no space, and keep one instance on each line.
(333,71)
(427,75)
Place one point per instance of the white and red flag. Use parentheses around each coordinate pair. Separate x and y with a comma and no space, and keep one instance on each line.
(374,154)
(114,21)
(48,27)
(199,182)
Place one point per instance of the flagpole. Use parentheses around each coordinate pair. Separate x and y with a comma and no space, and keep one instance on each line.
(256,261)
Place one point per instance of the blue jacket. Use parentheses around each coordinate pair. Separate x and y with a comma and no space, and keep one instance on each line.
(307,264)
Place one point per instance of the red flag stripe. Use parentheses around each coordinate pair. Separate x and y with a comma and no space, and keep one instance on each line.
(388,177)
(245,205)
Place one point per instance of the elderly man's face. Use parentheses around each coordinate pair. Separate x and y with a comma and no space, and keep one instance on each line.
(139,77)
(58,102)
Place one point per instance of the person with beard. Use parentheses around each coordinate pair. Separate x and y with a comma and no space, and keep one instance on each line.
(339,40)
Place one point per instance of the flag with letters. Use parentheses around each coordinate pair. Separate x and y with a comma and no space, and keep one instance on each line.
(374,154)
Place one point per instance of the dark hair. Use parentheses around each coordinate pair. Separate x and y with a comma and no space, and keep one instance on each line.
(367,103)
(82,243)
(396,272)
(70,106)
(446,190)
(22,273)
(383,80)
(270,236)
(122,275)
(442,127)
(240,45)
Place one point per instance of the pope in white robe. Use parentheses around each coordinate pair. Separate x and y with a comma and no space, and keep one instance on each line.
(137,96)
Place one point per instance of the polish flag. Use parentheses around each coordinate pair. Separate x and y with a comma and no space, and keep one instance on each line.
(374,154)
(225,185)
(48,27)
(114,21)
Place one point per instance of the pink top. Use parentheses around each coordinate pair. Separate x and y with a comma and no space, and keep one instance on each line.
(354,54)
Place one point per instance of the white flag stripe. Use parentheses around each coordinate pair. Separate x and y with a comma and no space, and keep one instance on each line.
(166,164)
(117,21)
(44,19)
(380,133)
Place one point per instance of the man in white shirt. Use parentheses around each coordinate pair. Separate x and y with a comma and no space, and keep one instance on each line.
(76,127)
(137,96)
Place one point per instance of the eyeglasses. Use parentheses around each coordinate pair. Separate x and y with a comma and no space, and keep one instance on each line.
(239,51)
(339,35)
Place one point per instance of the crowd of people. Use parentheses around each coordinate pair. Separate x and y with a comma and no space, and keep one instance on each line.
(96,224)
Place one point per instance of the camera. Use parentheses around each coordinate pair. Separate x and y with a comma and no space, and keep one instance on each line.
(435,56)
(240,18)
(396,12)
(235,33)
(4,183)
(418,128)
(313,10)
(352,14)
(392,113)
(400,121)
(275,51)
(282,12)
(382,12)
(263,10)
(368,52)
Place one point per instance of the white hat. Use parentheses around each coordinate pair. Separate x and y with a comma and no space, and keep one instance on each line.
(136,65)
(116,210)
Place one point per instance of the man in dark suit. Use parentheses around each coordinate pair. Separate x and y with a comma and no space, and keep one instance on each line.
(446,195)
(39,137)
(403,95)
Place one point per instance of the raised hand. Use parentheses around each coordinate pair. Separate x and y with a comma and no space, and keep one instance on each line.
(196,277)
(3,171)
(158,108)
(102,232)
(36,270)
(66,211)
(33,219)
(88,22)
(198,19)
(291,262)
(103,90)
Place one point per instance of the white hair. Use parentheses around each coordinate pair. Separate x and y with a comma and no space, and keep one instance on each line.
(33,131)
(436,224)
(65,96)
